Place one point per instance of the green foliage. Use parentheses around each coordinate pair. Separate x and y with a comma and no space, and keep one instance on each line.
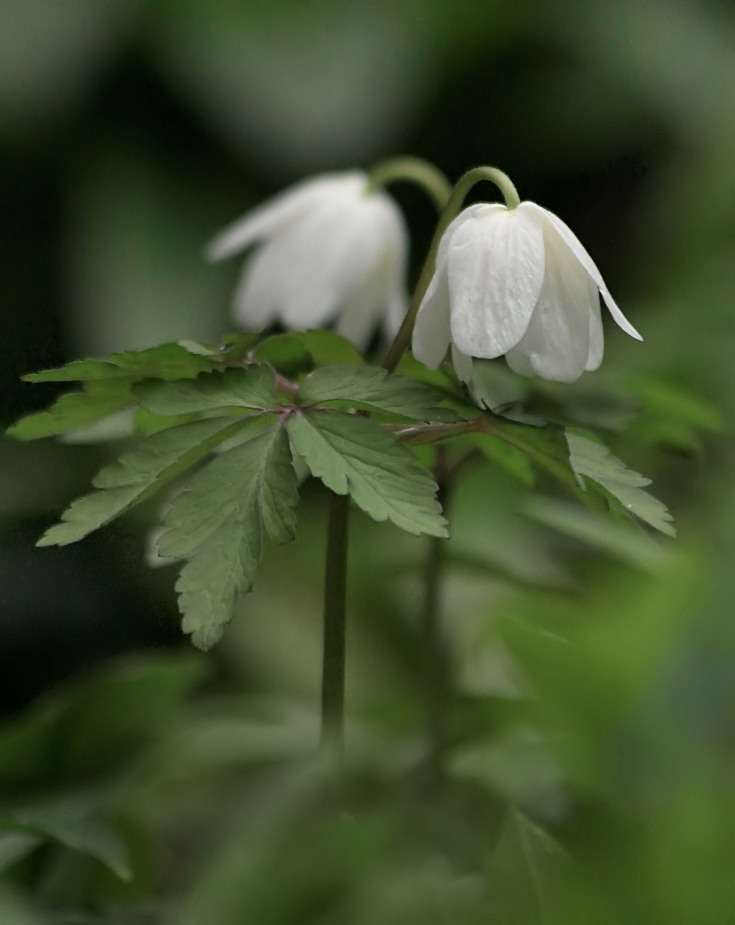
(372,388)
(218,392)
(218,522)
(194,410)
(326,348)
(138,474)
(99,400)
(71,825)
(617,539)
(350,453)
(525,869)
(507,456)
(300,351)
(672,417)
(544,446)
(207,407)
(591,460)
(168,361)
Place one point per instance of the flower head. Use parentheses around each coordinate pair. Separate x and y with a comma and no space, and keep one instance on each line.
(514,282)
(330,248)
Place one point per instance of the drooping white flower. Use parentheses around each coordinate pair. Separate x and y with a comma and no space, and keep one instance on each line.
(515,282)
(329,249)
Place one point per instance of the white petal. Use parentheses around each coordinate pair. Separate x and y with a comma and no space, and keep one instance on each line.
(259,292)
(556,345)
(495,266)
(575,246)
(519,362)
(597,339)
(431,333)
(395,313)
(335,252)
(283,209)
(394,268)
(360,316)
(462,364)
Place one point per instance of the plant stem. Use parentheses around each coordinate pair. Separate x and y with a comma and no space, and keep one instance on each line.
(435,669)
(335,584)
(412,170)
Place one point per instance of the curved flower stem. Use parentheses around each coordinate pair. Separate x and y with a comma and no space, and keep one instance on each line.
(475,176)
(450,212)
(414,170)
(333,646)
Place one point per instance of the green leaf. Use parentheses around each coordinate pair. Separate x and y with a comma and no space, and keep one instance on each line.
(442,379)
(676,404)
(494,385)
(286,353)
(300,351)
(167,361)
(526,869)
(65,822)
(545,446)
(77,371)
(594,461)
(371,387)
(238,346)
(218,520)
(74,409)
(352,454)
(138,474)
(199,348)
(328,348)
(621,540)
(253,387)
(515,461)
(15,845)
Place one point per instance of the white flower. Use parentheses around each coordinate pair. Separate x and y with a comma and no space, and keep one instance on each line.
(330,249)
(514,282)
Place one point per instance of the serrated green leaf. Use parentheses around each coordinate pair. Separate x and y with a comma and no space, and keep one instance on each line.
(166,361)
(218,521)
(77,371)
(372,388)
(138,474)
(594,461)
(252,387)
(352,454)
(74,409)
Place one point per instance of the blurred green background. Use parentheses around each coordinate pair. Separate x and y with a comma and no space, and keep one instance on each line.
(591,771)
